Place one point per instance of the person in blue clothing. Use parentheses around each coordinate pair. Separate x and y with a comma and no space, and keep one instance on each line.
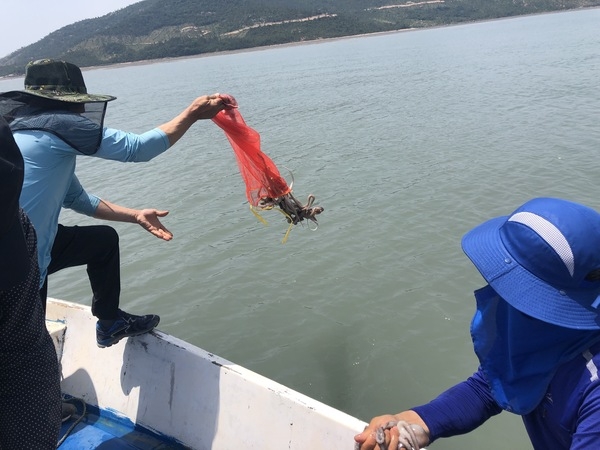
(55,121)
(536,333)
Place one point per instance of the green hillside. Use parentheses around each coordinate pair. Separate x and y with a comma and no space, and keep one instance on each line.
(154,29)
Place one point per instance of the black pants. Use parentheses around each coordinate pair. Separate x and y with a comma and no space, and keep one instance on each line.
(97,247)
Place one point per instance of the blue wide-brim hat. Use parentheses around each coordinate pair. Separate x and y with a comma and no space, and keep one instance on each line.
(542,260)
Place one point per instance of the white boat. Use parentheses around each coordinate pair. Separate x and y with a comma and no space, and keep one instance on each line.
(158,392)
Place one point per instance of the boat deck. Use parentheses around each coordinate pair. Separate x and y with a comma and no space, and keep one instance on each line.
(100,430)
(91,428)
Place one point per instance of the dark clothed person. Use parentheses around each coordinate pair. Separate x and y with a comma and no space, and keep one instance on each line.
(30,402)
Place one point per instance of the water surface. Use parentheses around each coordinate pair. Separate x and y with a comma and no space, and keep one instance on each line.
(408,140)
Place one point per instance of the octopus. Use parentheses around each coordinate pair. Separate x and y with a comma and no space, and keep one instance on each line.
(408,438)
(294,211)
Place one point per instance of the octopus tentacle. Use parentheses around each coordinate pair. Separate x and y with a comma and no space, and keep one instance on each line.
(294,210)
(407,438)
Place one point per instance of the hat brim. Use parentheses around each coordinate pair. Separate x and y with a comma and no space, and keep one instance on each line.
(67,97)
(523,290)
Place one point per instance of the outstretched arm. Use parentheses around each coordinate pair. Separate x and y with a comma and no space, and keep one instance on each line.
(204,107)
(80,201)
(118,145)
(148,219)
(458,410)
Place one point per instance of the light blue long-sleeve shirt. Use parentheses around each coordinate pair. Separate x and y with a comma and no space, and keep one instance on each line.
(50,182)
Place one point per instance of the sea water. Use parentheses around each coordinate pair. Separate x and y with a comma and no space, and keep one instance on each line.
(408,140)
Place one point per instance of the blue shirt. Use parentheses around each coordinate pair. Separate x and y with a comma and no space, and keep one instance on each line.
(567,417)
(50,182)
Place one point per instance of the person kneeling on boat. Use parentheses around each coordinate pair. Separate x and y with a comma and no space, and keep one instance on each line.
(536,333)
(54,120)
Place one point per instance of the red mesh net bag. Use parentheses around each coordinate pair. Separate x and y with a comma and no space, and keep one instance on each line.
(265,187)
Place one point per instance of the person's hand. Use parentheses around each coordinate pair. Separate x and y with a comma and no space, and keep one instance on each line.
(228,101)
(405,430)
(204,107)
(148,219)
(207,106)
(367,439)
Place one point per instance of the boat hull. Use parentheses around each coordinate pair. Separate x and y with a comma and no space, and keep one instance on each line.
(187,394)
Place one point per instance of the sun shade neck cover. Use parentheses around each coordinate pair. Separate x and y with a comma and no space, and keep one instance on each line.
(79,125)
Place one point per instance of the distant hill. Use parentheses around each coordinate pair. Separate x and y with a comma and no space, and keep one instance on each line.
(153,29)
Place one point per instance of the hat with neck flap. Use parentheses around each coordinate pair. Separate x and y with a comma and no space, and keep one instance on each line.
(59,80)
(544,260)
(56,100)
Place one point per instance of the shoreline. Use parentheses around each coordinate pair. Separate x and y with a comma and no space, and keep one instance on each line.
(307,42)
(241,50)
(322,40)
